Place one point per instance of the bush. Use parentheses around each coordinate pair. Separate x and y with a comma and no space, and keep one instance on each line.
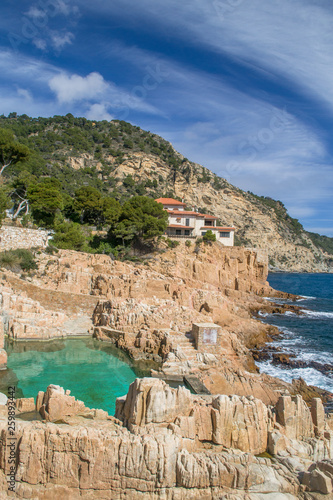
(188,243)
(69,236)
(172,243)
(50,250)
(209,236)
(18,260)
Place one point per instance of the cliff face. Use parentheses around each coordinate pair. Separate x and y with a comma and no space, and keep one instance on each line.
(257,224)
(169,444)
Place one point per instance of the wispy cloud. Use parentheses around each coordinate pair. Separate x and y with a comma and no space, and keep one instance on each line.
(249,94)
(60,40)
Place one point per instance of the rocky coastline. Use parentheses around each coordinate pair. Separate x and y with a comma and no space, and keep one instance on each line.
(167,443)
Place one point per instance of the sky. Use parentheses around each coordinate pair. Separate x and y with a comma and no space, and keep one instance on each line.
(243,87)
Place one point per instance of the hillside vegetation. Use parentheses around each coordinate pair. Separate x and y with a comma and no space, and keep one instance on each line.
(120,161)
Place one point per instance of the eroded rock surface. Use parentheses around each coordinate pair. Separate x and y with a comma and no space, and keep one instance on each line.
(170,444)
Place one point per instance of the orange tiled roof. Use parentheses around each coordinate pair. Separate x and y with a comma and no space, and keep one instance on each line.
(170,201)
(184,212)
(207,216)
(218,228)
(178,226)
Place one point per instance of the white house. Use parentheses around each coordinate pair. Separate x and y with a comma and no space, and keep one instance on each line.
(192,224)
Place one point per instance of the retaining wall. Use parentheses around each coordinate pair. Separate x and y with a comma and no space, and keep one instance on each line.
(20,237)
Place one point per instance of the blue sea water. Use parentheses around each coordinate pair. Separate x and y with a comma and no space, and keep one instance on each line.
(310,336)
(95,372)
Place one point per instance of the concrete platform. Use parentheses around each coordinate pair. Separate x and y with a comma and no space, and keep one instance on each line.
(196,385)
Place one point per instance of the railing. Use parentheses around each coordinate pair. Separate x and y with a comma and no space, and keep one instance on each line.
(188,237)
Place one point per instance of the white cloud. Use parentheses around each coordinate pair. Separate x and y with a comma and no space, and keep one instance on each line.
(51,9)
(60,40)
(25,94)
(93,87)
(99,112)
(36,13)
(76,88)
(40,43)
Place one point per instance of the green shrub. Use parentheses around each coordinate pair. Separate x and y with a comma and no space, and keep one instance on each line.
(69,236)
(209,236)
(188,243)
(18,260)
(172,243)
(51,249)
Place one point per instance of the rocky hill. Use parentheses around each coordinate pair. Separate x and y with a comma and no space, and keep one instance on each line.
(123,160)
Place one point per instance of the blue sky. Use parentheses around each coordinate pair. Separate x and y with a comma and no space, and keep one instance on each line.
(244,87)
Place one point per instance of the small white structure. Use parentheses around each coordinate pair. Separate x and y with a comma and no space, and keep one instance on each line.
(192,224)
(207,336)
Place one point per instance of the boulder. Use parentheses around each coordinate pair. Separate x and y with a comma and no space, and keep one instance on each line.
(57,404)
(151,400)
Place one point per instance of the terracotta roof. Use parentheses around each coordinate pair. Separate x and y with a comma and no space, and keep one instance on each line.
(170,201)
(178,226)
(184,212)
(218,228)
(207,216)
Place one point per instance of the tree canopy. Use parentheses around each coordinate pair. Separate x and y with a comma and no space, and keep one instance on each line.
(11,151)
(141,217)
(45,200)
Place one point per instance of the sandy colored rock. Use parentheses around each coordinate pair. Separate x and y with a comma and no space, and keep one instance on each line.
(240,423)
(25,405)
(57,404)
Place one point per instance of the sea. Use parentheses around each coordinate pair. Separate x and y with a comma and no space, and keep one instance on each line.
(310,336)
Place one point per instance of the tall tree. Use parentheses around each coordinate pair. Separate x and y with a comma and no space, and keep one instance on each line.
(141,218)
(11,151)
(111,210)
(88,202)
(46,200)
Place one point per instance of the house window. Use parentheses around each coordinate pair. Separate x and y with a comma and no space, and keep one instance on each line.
(178,232)
(187,232)
(187,222)
(208,223)
(224,235)
(203,233)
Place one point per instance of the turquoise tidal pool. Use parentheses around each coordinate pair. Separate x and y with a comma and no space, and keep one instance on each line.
(95,372)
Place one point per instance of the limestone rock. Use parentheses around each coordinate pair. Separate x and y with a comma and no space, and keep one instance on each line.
(151,400)
(318,415)
(240,423)
(57,404)
(25,405)
(294,415)
(317,480)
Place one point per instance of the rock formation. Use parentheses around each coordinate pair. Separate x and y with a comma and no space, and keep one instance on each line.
(166,443)
(148,309)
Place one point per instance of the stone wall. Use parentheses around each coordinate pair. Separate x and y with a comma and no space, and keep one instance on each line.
(12,237)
